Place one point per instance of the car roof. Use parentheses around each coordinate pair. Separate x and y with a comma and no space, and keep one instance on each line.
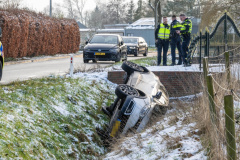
(130,37)
(107,35)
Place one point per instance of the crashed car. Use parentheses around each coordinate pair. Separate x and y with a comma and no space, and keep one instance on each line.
(141,94)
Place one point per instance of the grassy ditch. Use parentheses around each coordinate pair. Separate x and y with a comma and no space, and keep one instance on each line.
(53,118)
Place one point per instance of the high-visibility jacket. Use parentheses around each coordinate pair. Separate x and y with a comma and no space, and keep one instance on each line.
(175,25)
(164,31)
(186,26)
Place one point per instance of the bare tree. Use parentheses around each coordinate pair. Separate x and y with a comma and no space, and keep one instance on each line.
(10,3)
(80,5)
(57,11)
(70,9)
(212,9)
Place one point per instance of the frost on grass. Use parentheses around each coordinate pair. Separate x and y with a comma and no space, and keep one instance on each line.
(54,118)
(173,136)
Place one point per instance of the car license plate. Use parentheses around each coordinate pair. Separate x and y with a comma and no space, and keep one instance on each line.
(99,54)
(115,128)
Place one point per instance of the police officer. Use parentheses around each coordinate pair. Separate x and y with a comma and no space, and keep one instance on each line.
(175,40)
(162,34)
(186,36)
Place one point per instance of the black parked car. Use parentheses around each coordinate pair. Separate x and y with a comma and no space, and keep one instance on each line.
(105,47)
(136,45)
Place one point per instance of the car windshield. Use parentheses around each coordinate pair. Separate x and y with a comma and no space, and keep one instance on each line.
(105,39)
(130,40)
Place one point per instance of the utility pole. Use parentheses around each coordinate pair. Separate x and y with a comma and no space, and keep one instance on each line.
(50,8)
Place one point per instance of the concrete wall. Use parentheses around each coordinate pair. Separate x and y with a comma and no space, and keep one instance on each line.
(177,83)
(147,34)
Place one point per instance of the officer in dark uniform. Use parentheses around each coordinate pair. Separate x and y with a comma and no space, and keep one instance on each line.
(162,35)
(175,40)
(186,31)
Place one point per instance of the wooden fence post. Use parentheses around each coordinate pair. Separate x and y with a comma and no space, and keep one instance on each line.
(211,98)
(205,68)
(230,127)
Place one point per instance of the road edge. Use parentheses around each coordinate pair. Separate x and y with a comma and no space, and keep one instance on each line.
(40,59)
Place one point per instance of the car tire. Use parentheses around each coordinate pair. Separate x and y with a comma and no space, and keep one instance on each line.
(1,70)
(146,52)
(123,90)
(85,61)
(130,67)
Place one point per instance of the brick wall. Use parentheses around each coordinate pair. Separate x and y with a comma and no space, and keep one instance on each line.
(177,83)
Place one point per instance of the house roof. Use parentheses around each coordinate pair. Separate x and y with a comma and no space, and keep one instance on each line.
(149,23)
(80,25)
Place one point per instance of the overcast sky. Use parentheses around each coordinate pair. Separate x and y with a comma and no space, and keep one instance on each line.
(39,5)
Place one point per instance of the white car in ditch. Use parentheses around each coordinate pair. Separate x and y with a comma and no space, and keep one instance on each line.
(136,100)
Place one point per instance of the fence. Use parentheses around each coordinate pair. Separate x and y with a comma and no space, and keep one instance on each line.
(220,63)
(225,36)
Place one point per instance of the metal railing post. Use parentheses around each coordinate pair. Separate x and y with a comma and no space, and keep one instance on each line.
(225,32)
(200,51)
(205,48)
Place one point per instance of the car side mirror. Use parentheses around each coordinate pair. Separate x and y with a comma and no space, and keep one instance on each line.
(158,95)
(86,42)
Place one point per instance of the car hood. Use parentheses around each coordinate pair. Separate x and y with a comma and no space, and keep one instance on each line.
(131,44)
(101,46)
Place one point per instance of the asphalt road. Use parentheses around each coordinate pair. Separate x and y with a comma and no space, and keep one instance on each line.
(26,71)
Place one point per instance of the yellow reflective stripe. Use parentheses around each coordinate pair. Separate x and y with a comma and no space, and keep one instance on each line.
(184,24)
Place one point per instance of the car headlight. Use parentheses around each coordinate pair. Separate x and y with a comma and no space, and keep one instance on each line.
(130,108)
(113,50)
(132,47)
(87,50)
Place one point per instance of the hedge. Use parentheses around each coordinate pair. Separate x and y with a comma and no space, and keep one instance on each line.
(26,33)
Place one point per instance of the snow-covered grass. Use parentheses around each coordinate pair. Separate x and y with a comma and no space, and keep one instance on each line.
(174,135)
(54,117)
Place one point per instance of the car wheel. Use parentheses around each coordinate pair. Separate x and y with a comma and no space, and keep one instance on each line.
(146,52)
(123,90)
(130,67)
(85,61)
(1,71)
